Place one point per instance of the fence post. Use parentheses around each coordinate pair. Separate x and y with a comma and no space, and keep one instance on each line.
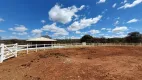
(52,46)
(16,49)
(2,53)
(44,46)
(59,45)
(27,49)
(36,47)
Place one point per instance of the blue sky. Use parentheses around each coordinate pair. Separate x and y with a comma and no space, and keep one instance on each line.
(25,19)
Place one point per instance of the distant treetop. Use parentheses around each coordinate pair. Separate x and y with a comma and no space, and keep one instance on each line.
(46,36)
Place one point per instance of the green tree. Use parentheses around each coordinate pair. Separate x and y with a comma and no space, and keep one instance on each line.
(103,40)
(134,37)
(87,38)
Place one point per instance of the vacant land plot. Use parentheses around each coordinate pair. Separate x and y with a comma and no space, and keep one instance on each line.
(90,63)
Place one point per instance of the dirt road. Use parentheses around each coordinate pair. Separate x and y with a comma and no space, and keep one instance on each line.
(91,63)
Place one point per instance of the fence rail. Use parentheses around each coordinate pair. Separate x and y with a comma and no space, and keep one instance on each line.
(10,50)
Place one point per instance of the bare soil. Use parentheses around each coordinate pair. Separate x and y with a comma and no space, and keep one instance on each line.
(90,63)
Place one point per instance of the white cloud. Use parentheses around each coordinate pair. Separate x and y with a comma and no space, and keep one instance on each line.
(74,37)
(105,11)
(37,32)
(20,33)
(83,33)
(56,30)
(2,31)
(23,33)
(120,29)
(108,29)
(128,5)
(63,15)
(133,20)
(101,1)
(83,23)
(19,28)
(13,37)
(118,18)
(116,23)
(125,1)
(94,31)
(108,18)
(1,20)
(43,21)
(115,36)
(103,29)
(114,5)
(102,34)
(78,32)
(14,33)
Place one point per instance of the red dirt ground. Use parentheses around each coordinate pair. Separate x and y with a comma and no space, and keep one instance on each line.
(90,63)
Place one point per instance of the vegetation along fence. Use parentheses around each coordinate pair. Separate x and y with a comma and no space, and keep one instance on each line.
(8,51)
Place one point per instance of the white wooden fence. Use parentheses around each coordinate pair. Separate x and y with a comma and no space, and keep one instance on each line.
(8,51)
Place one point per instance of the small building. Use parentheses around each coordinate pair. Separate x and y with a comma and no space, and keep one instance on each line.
(41,40)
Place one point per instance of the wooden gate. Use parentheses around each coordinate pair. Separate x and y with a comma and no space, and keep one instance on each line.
(8,51)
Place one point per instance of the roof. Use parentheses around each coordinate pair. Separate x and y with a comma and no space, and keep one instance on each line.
(41,39)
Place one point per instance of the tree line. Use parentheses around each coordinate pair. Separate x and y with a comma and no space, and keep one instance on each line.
(13,41)
(133,37)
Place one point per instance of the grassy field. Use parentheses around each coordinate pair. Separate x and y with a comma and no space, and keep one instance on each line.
(88,63)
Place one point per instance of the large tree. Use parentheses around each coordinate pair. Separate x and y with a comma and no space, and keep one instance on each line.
(134,37)
(87,38)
